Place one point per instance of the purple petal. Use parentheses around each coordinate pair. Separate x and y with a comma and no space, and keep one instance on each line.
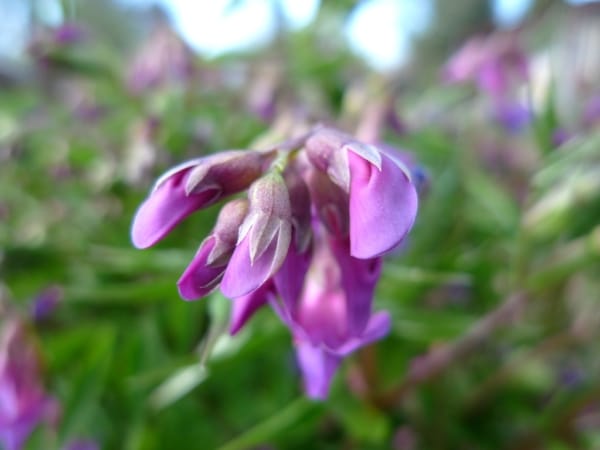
(199,279)
(318,367)
(165,208)
(383,206)
(244,307)
(379,325)
(242,276)
(289,280)
(358,278)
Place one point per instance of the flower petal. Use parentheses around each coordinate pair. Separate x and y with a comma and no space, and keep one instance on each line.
(165,208)
(243,276)
(198,279)
(244,307)
(289,280)
(378,326)
(318,367)
(358,278)
(383,206)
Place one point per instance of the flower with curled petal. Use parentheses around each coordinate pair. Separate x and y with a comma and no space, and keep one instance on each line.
(192,186)
(382,200)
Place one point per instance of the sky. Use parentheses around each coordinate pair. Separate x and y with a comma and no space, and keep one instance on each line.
(211,28)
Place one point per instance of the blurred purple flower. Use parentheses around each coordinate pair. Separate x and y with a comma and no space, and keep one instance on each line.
(496,63)
(46,302)
(560,136)
(591,113)
(69,33)
(23,401)
(163,60)
(512,116)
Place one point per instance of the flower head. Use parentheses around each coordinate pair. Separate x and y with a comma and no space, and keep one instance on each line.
(307,240)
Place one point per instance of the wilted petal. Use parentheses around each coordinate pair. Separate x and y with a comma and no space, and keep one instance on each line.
(318,367)
(244,307)
(383,206)
(165,208)
(199,279)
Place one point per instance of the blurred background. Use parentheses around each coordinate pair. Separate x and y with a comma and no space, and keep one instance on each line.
(494,296)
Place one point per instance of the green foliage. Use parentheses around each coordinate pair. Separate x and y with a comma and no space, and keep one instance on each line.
(493,296)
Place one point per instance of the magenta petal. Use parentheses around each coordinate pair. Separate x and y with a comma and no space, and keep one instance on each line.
(165,208)
(241,276)
(383,206)
(379,325)
(358,278)
(289,280)
(244,307)
(198,279)
(318,367)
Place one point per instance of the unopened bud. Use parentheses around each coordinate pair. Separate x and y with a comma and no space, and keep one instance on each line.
(229,172)
(226,231)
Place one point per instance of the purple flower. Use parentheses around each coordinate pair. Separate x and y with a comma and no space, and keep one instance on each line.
(46,302)
(69,33)
(513,116)
(307,240)
(331,316)
(190,187)
(495,63)
(23,400)
(264,237)
(206,269)
(163,60)
(591,113)
(382,199)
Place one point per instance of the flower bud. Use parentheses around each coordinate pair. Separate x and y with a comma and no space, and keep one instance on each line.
(264,237)
(192,186)
(206,269)
(300,207)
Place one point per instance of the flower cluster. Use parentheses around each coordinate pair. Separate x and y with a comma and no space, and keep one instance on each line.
(306,240)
